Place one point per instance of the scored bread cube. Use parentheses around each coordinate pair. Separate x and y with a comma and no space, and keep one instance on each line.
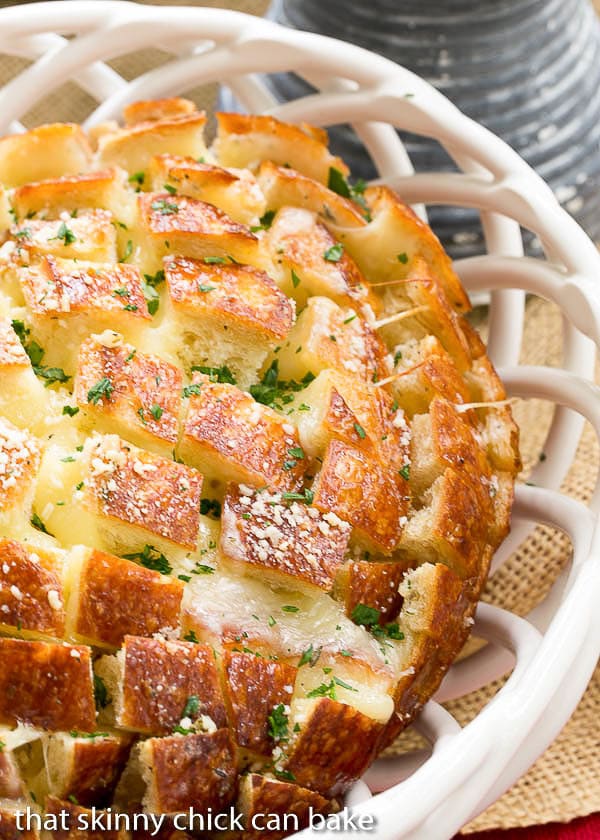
(327,336)
(44,152)
(144,402)
(265,801)
(361,490)
(31,590)
(86,769)
(437,618)
(89,236)
(385,248)
(111,598)
(331,745)
(245,140)
(230,437)
(23,398)
(150,110)
(285,187)
(288,542)
(134,147)
(441,439)
(372,584)
(425,370)
(254,688)
(451,526)
(311,262)
(228,314)
(336,406)
(69,300)
(193,771)
(11,821)
(233,190)
(178,224)
(423,310)
(19,463)
(158,684)
(104,190)
(119,497)
(46,685)
(74,822)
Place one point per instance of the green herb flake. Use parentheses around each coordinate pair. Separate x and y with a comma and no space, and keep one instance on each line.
(156,411)
(127,252)
(151,558)
(192,706)
(216,374)
(164,207)
(137,178)
(289,608)
(334,254)
(405,472)
(65,234)
(191,390)
(191,636)
(102,390)
(403,258)
(278,723)
(170,189)
(38,524)
(203,287)
(100,692)
(295,279)
(365,616)
(70,410)
(210,507)
(360,431)
(215,260)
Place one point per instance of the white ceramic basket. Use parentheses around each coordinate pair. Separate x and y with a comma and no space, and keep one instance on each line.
(427,795)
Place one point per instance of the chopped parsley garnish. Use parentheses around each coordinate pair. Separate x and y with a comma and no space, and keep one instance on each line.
(122,292)
(102,390)
(127,252)
(190,390)
(324,690)
(152,298)
(403,258)
(210,507)
(306,496)
(130,307)
(51,374)
(296,452)
(190,636)
(337,183)
(215,260)
(192,706)
(364,615)
(164,207)
(156,411)
(265,221)
(203,287)
(24,233)
(290,608)
(350,319)
(151,558)
(68,460)
(216,374)
(38,524)
(369,617)
(203,569)
(137,178)
(278,723)
(65,234)
(397,357)
(360,431)
(334,254)
(100,692)
(285,775)
(295,279)
(170,189)
(184,578)
(405,472)
(310,656)
(276,392)
(155,279)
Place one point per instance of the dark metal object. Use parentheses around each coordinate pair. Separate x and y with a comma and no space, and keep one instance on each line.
(527,69)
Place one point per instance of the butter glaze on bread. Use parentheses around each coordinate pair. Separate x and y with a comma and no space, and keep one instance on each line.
(254,464)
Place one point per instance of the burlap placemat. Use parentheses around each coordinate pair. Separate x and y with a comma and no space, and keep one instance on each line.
(565,782)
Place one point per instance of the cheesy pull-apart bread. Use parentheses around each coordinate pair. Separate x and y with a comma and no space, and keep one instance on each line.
(254,463)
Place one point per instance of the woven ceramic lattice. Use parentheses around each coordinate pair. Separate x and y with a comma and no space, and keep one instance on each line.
(431,792)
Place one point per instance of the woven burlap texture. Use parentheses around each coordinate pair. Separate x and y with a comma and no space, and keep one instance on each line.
(565,782)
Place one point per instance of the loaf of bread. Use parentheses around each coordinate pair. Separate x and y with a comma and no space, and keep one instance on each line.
(254,463)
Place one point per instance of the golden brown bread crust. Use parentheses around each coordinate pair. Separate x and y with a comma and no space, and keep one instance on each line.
(254,687)
(46,685)
(158,679)
(117,598)
(252,380)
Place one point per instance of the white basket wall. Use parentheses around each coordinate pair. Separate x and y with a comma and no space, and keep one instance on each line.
(430,794)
